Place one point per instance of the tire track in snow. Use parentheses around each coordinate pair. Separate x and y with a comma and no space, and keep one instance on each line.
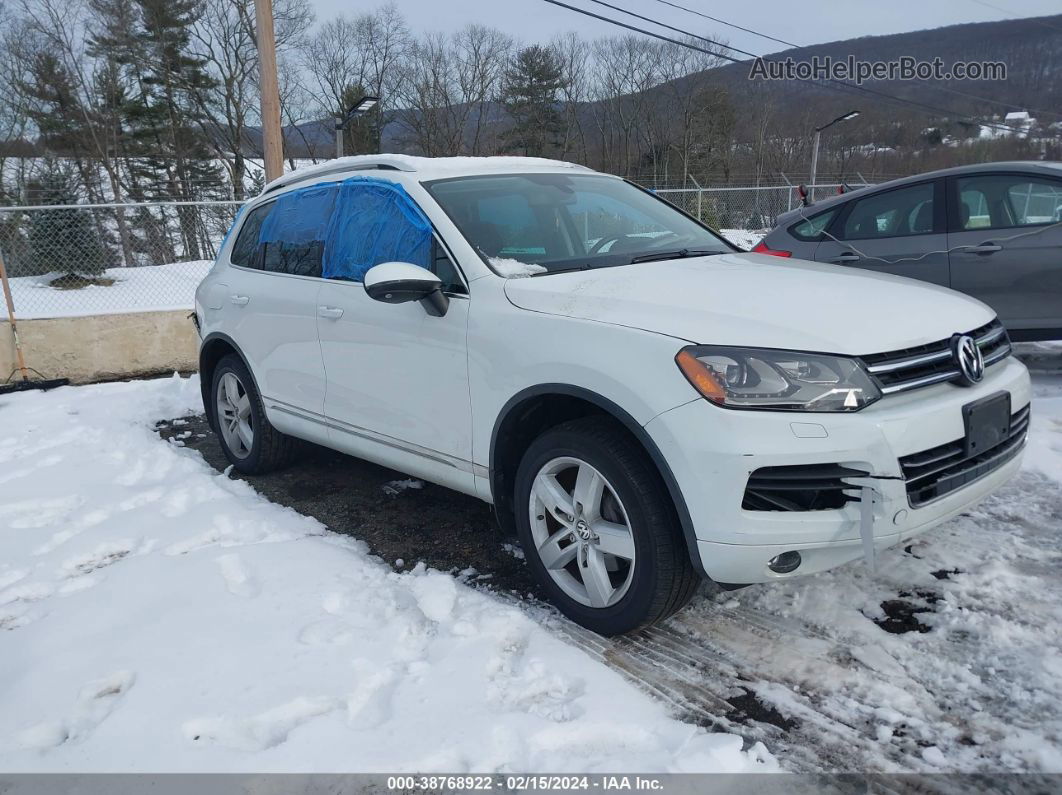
(853,696)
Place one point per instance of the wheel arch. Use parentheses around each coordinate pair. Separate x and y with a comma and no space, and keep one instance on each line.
(215,347)
(533,410)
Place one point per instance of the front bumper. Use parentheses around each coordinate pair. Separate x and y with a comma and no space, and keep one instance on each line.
(712,451)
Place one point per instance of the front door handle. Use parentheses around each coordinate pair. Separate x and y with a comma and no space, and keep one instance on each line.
(330,312)
(984,248)
(848,256)
(239,300)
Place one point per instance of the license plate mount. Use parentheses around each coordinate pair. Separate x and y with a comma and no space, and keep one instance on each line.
(987,423)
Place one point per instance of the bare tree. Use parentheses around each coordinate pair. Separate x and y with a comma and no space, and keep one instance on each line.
(626,69)
(448,86)
(684,107)
(350,56)
(224,37)
(573,54)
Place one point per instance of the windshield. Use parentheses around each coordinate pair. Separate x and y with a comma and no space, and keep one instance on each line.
(558,222)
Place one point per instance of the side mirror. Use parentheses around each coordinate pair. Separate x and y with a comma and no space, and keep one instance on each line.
(401,282)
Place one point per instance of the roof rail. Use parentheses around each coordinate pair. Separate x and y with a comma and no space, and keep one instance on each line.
(339,166)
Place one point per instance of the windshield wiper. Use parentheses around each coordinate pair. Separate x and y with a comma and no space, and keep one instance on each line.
(681,253)
(548,271)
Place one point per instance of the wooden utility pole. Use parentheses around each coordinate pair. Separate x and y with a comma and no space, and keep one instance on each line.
(272,136)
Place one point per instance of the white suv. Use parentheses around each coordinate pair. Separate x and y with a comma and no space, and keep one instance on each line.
(643,404)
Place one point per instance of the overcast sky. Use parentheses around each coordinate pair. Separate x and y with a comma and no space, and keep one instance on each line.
(798,21)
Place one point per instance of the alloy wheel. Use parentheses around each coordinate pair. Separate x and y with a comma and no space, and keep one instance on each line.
(581,532)
(234,415)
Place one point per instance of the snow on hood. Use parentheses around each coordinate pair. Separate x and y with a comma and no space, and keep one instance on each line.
(754,300)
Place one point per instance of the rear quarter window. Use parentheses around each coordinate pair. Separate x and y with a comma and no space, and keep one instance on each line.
(245,251)
(811,229)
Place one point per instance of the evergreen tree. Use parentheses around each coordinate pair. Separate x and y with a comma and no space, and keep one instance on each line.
(63,241)
(532,84)
(164,126)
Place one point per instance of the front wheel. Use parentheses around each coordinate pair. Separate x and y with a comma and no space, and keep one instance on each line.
(599,528)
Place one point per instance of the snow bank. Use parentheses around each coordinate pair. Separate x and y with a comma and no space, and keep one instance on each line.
(157,616)
(149,288)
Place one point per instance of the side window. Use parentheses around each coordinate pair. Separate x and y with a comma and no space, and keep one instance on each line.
(811,228)
(293,236)
(895,213)
(375,221)
(297,259)
(1001,201)
(245,251)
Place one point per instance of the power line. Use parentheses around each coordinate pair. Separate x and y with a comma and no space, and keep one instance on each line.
(646,32)
(676,30)
(946,89)
(724,22)
(838,85)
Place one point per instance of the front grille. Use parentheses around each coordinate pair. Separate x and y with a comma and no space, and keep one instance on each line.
(933,473)
(803,487)
(923,365)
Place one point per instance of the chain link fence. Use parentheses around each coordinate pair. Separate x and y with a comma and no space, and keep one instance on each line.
(743,214)
(76,260)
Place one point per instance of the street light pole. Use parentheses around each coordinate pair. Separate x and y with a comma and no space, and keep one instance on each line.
(815,148)
(272,137)
(362,106)
(814,161)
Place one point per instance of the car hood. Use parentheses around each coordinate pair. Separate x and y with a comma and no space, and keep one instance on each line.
(757,301)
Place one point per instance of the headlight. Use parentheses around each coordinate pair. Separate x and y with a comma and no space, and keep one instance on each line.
(758,378)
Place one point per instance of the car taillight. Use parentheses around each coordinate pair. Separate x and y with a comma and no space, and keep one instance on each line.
(763,248)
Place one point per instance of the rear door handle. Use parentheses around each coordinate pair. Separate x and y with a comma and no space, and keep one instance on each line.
(330,312)
(840,259)
(239,300)
(984,248)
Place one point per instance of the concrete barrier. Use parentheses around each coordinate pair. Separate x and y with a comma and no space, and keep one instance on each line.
(102,347)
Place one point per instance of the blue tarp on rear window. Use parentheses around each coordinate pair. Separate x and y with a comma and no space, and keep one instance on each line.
(374,221)
(301,216)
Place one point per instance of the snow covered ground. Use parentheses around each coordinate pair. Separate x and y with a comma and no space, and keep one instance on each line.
(158,616)
(143,289)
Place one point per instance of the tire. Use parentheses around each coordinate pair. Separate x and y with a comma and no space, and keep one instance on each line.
(650,586)
(253,446)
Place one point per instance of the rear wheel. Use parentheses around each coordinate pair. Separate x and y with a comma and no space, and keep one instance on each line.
(251,444)
(599,528)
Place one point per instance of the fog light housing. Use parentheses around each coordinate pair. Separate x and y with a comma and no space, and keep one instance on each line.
(785,563)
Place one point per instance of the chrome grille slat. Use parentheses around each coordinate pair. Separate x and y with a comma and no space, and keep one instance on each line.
(939,471)
(925,365)
(913,362)
(929,380)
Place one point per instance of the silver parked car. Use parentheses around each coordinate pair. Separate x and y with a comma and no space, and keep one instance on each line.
(993,231)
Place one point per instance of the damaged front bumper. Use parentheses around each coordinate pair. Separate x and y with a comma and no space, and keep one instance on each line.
(713,452)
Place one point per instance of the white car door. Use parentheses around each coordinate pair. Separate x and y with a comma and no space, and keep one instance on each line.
(272,316)
(397,376)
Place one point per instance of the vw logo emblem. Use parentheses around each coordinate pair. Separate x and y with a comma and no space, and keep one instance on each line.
(583,529)
(969,358)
